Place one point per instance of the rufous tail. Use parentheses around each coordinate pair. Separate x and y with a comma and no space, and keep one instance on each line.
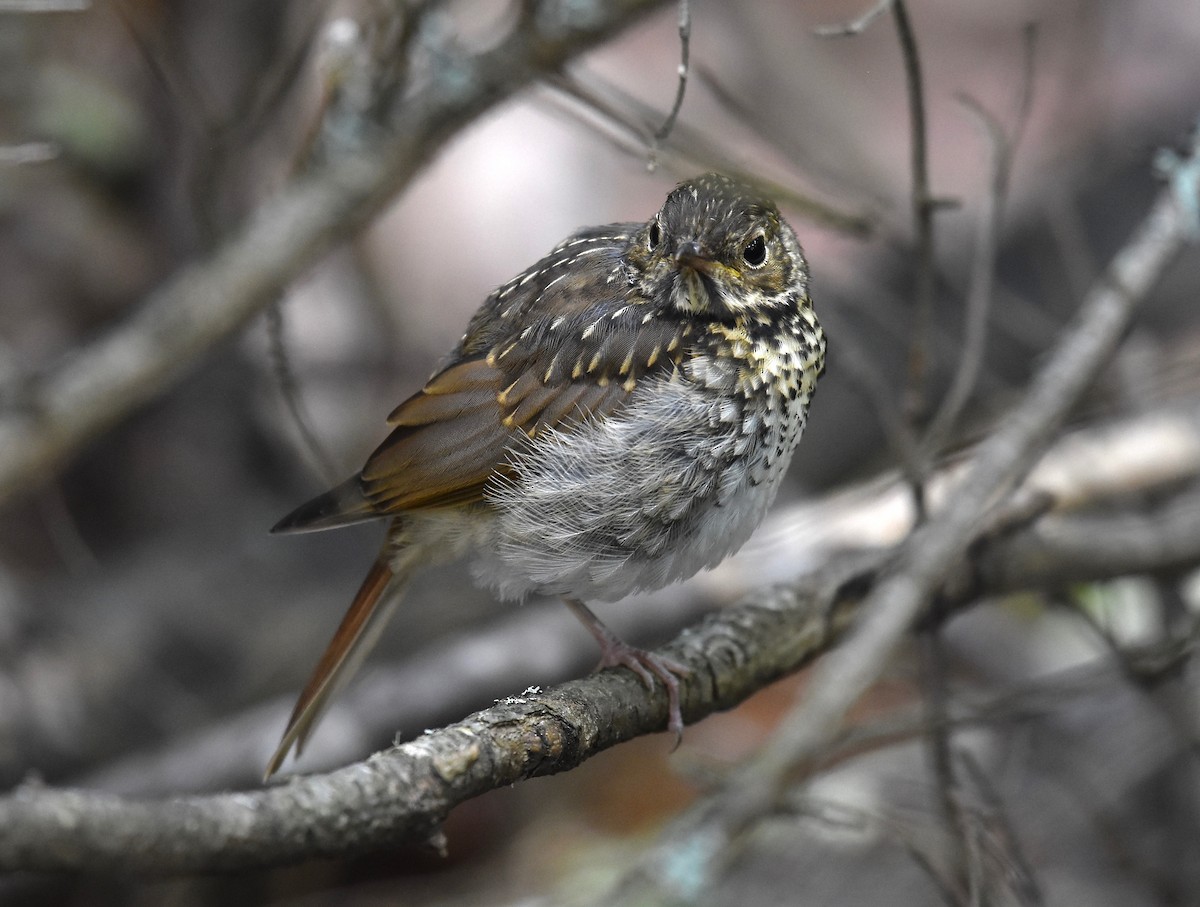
(356,635)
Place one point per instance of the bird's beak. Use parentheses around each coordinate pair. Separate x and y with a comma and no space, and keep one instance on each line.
(688,255)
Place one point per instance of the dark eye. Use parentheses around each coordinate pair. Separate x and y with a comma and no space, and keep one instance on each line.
(755,252)
(655,236)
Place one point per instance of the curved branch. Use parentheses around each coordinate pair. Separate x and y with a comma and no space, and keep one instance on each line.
(404,793)
(52,414)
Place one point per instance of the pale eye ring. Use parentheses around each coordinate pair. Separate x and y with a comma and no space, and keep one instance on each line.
(654,237)
(755,252)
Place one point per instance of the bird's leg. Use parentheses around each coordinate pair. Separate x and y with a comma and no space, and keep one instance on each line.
(615,652)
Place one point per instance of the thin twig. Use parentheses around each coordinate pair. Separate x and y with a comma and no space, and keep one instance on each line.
(685,40)
(1001,154)
(289,390)
(73,550)
(842,814)
(923,208)
(855,364)
(938,732)
(762,122)
(266,95)
(218,136)
(1019,877)
(363,78)
(854,26)
(1024,106)
(189,97)
(343,62)
(623,121)
(983,278)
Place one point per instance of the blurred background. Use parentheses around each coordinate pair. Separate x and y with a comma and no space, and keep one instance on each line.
(153,635)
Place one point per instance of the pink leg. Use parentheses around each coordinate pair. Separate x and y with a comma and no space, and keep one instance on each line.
(615,652)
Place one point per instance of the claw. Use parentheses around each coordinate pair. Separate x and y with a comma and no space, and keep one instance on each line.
(615,652)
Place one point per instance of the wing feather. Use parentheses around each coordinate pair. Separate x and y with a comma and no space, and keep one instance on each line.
(554,347)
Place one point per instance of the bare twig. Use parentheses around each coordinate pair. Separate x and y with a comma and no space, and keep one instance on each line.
(957,818)
(838,814)
(685,40)
(266,94)
(865,377)
(1028,700)
(1004,844)
(854,26)
(923,207)
(205,303)
(289,390)
(405,792)
(69,544)
(983,277)
(763,122)
(1029,42)
(954,815)
(623,121)
(217,136)
(1001,152)
(357,86)
(189,95)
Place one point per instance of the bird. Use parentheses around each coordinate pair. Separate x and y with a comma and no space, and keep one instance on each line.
(615,418)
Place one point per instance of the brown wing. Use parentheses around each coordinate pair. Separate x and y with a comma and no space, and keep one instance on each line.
(446,442)
(563,342)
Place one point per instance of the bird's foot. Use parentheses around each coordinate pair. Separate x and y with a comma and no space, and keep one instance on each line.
(615,652)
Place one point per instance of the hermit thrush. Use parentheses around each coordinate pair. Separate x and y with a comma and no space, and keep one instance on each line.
(614,419)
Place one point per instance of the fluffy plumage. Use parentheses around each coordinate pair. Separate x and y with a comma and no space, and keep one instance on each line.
(614,419)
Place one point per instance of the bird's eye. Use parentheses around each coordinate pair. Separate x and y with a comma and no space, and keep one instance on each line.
(755,252)
(655,236)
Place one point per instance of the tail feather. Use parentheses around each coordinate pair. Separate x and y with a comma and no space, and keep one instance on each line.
(339,506)
(355,637)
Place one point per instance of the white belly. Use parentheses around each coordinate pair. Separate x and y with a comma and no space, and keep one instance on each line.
(675,483)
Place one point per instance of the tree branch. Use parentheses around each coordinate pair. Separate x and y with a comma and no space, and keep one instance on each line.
(404,793)
(49,416)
